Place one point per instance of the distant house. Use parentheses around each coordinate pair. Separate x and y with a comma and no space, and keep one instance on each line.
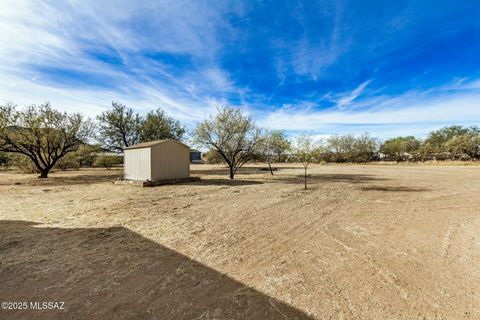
(195,156)
(157,160)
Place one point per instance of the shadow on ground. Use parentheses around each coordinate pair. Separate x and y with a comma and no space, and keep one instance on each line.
(84,179)
(349,178)
(394,189)
(241,171)
(226,182)
(72,178)
(115,273)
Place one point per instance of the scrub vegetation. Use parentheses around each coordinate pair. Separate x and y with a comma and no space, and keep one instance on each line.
(40,138)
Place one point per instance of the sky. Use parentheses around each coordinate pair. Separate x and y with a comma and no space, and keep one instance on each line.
(324,67)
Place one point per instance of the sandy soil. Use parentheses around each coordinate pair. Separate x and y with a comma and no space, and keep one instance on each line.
(364,242)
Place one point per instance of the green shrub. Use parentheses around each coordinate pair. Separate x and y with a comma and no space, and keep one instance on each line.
(107,161)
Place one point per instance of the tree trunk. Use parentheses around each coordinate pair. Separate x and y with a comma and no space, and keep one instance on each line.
(44,174)
(232,174)
(305,178)
(270,167)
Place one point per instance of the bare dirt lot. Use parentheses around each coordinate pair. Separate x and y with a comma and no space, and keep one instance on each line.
(364,242)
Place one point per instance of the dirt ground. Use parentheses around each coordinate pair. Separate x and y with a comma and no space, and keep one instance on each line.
(364,242)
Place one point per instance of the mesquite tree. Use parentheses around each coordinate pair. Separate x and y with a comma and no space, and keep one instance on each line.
(157,125)
(122,127)
(119,127)
(273,146)
(233,135)
(42,134)
(305,151)
(399,146)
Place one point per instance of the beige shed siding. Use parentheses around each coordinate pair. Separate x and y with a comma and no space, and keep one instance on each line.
(170,160)
(137,164)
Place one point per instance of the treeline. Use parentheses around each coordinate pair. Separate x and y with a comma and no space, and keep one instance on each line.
(84,156)
(234,139)
(42,138)
(448,143)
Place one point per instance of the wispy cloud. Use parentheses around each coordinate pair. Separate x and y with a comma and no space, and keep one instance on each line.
(293,65)
(311,56)
(346,99)
(411,112)
(78,59)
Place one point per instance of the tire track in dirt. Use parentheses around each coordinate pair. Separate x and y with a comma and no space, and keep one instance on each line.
(272,248)
(447,239)
(414,255)
(292,216)
(389,277)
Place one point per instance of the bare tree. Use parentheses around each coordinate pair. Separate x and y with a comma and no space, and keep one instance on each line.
(42,134)
(342,147)
(272,147)
(365,148)
(305,151)
(233,135)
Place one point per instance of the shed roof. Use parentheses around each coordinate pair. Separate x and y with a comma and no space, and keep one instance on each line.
(154,143)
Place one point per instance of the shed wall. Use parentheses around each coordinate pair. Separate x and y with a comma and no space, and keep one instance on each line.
(170,160)
(137,164)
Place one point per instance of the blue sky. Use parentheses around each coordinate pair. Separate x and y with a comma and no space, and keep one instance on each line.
(326,67)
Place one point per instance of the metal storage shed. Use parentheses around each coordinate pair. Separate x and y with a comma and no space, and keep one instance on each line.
(157,160)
